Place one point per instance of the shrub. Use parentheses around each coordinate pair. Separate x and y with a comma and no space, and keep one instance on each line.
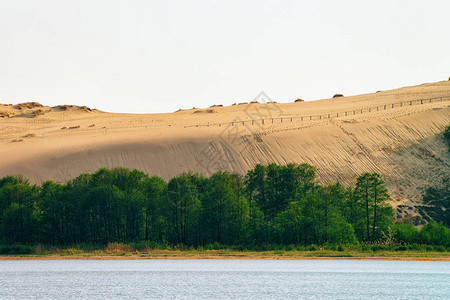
(447,136)
(400,248)
(405,233)
(435,234)
(340,248)
(16,249)
(289,248)
(139,246)
(338,95)
(313,247)
(439,248)
(378,247)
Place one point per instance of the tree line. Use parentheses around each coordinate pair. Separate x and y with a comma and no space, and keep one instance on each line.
(271,204)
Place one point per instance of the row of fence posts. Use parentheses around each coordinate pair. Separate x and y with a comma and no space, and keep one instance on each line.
(346,113)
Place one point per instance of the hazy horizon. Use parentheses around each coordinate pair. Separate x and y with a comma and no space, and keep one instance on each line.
(155,56)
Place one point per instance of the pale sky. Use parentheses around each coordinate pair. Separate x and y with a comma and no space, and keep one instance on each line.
(158,56)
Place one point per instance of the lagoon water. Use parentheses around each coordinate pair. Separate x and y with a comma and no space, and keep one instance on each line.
(223,279)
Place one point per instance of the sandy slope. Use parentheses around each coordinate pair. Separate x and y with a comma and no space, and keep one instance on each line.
(403,143)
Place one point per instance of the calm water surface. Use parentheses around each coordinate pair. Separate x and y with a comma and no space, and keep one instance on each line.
(224,279)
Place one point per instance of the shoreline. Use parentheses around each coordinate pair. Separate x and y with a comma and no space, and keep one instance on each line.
(271,256)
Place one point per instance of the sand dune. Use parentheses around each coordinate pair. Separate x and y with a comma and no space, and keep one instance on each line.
(393,136)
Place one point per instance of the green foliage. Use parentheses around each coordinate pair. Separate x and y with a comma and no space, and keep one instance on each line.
(274,207)
(16,249)
(447,136)
(436,202)
(406,233)
(435,234)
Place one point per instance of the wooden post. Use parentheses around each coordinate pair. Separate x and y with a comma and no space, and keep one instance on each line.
(421,101)
(263,121)
(253,122)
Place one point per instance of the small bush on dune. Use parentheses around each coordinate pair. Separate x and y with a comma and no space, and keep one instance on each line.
(338,95)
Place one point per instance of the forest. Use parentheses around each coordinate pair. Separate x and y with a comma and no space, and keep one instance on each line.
(271,205)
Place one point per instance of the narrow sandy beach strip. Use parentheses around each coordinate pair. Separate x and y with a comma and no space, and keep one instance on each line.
(272,257)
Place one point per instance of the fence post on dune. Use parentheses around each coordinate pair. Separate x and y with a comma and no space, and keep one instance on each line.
(263,121)
(310,117)
(410,102)
(302,118)
(421,101)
